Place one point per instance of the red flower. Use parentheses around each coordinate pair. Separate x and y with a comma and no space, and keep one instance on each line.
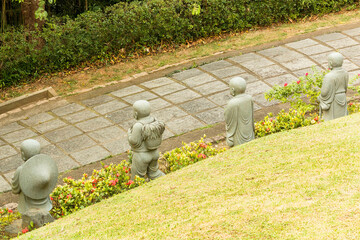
(285,84)
(85,175)
(203,145)
(298,82)
(306,74)
(69,195)
(106,166)
(70,178)
(316,118)
(25,230)
(10,211)
(112,183)
(94,181)
(263,123)
(350,103)
(201,155)
(130,182)
(51,198)
(268,129)
(118,174)
(93,190)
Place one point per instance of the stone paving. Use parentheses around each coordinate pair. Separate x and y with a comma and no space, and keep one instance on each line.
(87,131)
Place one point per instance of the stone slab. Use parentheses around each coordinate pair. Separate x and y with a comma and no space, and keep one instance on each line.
(260,99)
(341,43)
(221,98)
(120,115)
(190,73)
(43,142)
(302,44)
(302,73)
(63,161)
(127,91)
(108,134)
(10,163)
(76,144)
(49,126)
(159,82)
(315,49)
(256,88)
(352,32)
(330,37)
(248,57)
(97,100)
(184,124)
(37,119)
(212,116)
(321,58)
(62,134)
(119,146)
(216,65)
(169,113)
(139,96)
(255,65)
(197,105)
(158,103)
(271,71)
(349,66)
(11,127)
(182,96)
(70,108)
(110,106)
(299,63)
(228,71)
(4,186)
(19,135)
(199,80)
(2,142)
(167,89)
(211,87)
(246,76)
(93,124)
(91,155)
(9,176)
(80,116)
(281,80)
(351,52)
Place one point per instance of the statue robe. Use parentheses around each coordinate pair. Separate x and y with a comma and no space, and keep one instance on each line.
(239,118)
(333,94)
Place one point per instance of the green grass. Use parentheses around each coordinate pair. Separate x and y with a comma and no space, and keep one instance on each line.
(300,184)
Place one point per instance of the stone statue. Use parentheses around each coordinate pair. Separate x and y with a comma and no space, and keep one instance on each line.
(145,137)
(34,181)
(239,114)
(333,91)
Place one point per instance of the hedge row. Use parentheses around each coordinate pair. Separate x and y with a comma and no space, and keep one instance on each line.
(125,28)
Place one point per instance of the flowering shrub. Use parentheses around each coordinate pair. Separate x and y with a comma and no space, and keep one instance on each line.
(294,93)
(104,183)
(189,154)
(283,121)
(7,216)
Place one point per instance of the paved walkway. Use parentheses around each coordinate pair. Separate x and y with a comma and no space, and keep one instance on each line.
(87,131)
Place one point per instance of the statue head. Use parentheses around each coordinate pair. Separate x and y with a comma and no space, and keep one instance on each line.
(335,60)
(29,148)
(141,109)
(237,86)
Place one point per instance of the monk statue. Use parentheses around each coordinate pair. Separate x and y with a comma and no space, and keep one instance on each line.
(239,114)
(34,181)
(145,137)
(333,91)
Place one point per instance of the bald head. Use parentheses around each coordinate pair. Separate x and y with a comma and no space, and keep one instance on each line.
(335,60)
(141,109)
(29,148)
(237,86)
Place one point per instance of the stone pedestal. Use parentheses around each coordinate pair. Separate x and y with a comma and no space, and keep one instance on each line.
(39,218)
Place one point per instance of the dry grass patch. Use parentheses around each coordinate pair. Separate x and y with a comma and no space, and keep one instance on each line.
(300,184)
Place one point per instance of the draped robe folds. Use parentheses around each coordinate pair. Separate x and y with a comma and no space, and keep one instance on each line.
(239,118)
(333,94)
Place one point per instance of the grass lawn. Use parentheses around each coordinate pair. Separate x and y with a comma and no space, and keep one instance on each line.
(300,184)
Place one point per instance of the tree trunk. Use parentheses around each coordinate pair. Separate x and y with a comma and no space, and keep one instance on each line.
(28,9)
(3,16)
